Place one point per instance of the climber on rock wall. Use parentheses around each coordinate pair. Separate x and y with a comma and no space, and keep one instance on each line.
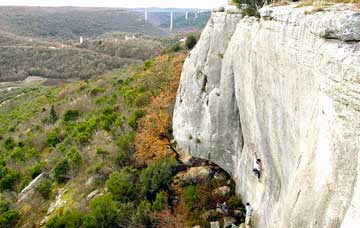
(249,211)
(257,168)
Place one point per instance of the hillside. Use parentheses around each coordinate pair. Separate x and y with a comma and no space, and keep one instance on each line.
(109,135)
(90,128)
(17,63)
(21,57)
(69,23)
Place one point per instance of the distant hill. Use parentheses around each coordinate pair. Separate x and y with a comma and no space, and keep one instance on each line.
(68,23)
(21,57)
(43,41)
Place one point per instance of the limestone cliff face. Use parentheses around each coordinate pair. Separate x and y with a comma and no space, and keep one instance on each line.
(285,88)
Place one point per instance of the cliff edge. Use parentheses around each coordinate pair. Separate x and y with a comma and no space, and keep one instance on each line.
(286,89)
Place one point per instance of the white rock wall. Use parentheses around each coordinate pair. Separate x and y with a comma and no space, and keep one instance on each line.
(286,88)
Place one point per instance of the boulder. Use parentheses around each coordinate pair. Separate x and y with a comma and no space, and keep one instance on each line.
(214,224)
(92,194)
(28,191)
(220,9)
(220,175)
(222,191)
(228,221)
(58,203)
(197,175)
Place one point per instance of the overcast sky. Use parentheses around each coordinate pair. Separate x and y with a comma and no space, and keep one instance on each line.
(119,3)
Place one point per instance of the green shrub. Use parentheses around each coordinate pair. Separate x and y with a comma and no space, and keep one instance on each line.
(53,138)
(250,11)
(130,94)
(190,42)
(148,64)
(176,47)
(133,119)
(61,170)
(105,212)
(108,118)
(36,170)
(235,202)
(125,144)
(4,206)
(249,7)
(52,115)
(74,156)
(142,214)
(71,115)
(123,185)
(160,202)
(96,91)
(9,219)
(82,132)
(157,176)
(18,154)
(8,180)
(44,188)
(198,197)
(70,219)
(191,197)
(9,143)
(123,158)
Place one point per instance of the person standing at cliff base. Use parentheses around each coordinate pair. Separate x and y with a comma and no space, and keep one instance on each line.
(257,168)
(249,211)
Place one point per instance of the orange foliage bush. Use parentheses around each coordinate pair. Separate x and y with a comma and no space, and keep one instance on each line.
(152,138)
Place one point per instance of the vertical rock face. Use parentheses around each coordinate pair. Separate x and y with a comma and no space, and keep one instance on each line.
(285,88)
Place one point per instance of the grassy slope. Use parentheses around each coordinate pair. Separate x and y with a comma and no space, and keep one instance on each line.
(25,119)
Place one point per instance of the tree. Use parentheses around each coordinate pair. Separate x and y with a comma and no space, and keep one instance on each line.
(160,202)
(60,171)
(133,119)
(105,212)
(8,180)
(70,219)
(142,214)
(9,143)
(71,115)
(52,138)
(250,7)
(157,176)
(44,188)
(53,116)
(190,42)
(122,185)
(74,156)
(9,219)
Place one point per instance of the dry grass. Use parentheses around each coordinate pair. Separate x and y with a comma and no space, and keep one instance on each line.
(320,5)
(280,3)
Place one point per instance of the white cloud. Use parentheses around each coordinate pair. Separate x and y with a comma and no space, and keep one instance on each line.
(119,3)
